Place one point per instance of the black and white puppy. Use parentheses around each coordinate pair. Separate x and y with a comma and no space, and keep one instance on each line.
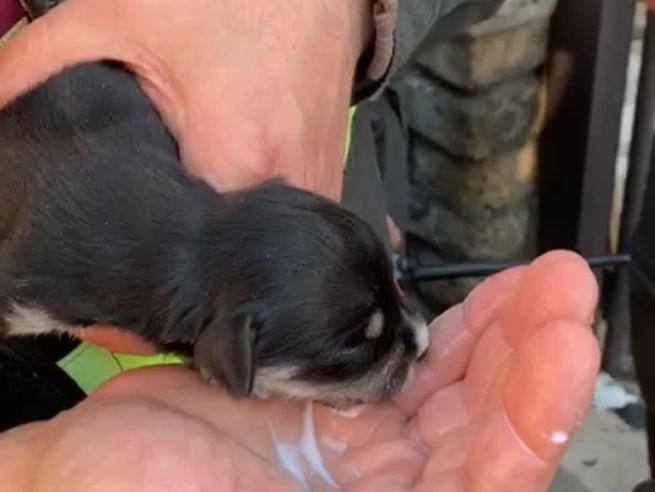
(269,290)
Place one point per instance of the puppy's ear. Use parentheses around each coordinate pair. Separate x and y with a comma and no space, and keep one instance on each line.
(226,351)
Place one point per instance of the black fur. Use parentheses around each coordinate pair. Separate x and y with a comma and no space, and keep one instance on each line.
(103,226)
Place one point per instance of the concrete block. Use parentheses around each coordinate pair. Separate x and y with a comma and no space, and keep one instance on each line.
(476,189)
(472,125)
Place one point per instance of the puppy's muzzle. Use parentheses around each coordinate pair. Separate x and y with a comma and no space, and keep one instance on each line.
(419,328)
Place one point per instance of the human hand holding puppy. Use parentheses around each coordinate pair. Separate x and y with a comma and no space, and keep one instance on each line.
(244,103)
(508,376)
(250,90)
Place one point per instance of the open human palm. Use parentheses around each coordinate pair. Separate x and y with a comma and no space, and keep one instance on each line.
(508,377)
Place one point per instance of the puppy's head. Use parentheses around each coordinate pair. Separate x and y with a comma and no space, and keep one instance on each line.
(307,305)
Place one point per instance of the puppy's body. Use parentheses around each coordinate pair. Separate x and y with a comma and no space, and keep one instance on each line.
(267,286)
(91,177)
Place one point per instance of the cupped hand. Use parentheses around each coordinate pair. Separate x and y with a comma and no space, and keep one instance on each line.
(508,377)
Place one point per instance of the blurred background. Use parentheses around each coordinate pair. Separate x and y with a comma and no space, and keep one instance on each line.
(518,136)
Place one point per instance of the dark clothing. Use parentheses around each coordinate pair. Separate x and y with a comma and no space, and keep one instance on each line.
(401,27)
(642,307)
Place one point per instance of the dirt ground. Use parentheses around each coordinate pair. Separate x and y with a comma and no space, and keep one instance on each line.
(606,455)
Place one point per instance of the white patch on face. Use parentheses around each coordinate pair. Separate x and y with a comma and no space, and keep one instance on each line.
(278,381)
(271,379)
(23,320)
(369,387)
(422,337)
(421,333)
(375,325)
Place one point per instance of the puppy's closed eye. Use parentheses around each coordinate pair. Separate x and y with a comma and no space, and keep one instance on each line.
(375,325)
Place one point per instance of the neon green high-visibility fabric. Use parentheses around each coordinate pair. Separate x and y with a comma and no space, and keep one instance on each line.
(351,117)
(90,366)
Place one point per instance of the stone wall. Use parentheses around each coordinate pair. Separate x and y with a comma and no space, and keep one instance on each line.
(473,109)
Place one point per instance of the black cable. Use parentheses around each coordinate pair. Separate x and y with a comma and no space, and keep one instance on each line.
(410,272)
